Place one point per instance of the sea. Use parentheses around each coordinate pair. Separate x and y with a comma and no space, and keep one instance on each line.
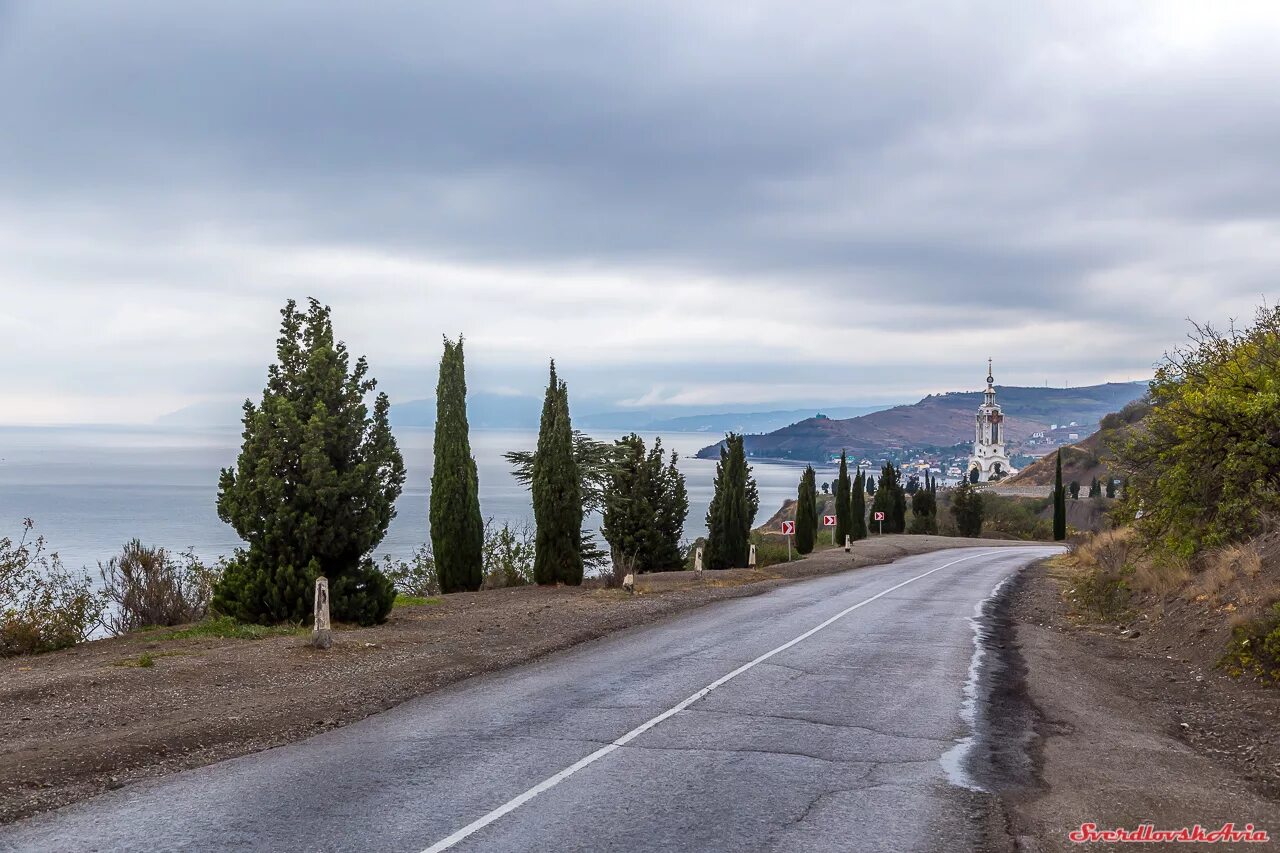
(89,490)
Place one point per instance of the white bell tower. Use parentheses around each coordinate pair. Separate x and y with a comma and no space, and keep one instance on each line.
(989,457)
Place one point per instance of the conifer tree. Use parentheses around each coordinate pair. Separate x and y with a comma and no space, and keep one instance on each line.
(871,485)
(1111,486)
(314,487)
(844,525)
(899,503)
(557,492)
(645,505)
(858,506)
(1059,503)
(457,530)
(924,512)
(968,509)
(1074,488)
(733,508)
(807,511)
(1095,488)
(891,499)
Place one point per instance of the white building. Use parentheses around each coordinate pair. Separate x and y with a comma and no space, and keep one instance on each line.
(989,457)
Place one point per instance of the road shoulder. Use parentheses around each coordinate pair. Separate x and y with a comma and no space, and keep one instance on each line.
(1125,735)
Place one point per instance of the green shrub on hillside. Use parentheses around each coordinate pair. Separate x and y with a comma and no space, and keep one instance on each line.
(1204,466)
(1255,648)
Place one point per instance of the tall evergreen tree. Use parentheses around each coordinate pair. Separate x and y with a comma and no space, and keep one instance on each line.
(891,499)
(457,530)
(1111,486)
(645,507)
(968,508)
(557,492)
(315,485)
(1059,503)
(858,505)
(844,524)
(733,508)
(807,511)
(924,512)
(1095,488)
(871,485)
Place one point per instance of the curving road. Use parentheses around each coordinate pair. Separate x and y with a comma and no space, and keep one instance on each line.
(826,715)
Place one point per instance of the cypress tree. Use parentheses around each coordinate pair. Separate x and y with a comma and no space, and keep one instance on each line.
(891,499)
(871,485)
(557,492)
(733,507)
(844,523)
(858,506)
(807,511)
(899,503)
(1059,503)
(314,487)
(968,508)
(457,530)
(924,512)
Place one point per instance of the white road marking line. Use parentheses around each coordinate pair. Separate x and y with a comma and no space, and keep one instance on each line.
(550,782)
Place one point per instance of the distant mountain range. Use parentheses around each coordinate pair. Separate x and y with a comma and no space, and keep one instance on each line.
(496,411)
(940,420)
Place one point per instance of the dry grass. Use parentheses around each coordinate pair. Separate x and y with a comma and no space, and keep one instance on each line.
(1223,568)
(1111,551)
(1160,574)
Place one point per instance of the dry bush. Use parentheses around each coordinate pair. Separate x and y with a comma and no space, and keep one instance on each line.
(416,577)
(148,587)
(508,554)
(1111,551)
(1160,573)
(43,606)
(1104,568)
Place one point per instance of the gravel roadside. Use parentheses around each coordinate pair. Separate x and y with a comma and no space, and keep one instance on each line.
(1132,730)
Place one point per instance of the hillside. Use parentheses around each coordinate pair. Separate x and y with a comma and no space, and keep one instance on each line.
(1086,459)
(941,420)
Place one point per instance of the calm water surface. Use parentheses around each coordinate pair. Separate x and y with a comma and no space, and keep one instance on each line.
(91,490)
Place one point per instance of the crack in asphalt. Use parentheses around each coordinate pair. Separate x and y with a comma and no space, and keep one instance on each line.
(813,722)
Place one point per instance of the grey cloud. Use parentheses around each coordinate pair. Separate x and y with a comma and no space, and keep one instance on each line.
(935,167)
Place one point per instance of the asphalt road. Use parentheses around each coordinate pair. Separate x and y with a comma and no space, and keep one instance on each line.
(828,714)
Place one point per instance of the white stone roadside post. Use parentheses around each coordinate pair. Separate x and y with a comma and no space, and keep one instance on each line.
(697,563)
(322,636)
(751,558)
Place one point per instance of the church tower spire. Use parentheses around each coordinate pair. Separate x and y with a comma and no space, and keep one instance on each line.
(989,459)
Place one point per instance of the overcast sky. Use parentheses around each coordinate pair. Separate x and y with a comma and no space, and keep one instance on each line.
(712,204)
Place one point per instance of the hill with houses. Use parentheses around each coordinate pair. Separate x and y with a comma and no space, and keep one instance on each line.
(943,420)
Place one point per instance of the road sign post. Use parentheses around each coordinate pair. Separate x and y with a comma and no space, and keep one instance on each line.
(830,521)
(788,530)
(880,520)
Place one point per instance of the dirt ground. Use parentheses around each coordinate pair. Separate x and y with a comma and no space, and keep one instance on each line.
(1135,724)
(89,719)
